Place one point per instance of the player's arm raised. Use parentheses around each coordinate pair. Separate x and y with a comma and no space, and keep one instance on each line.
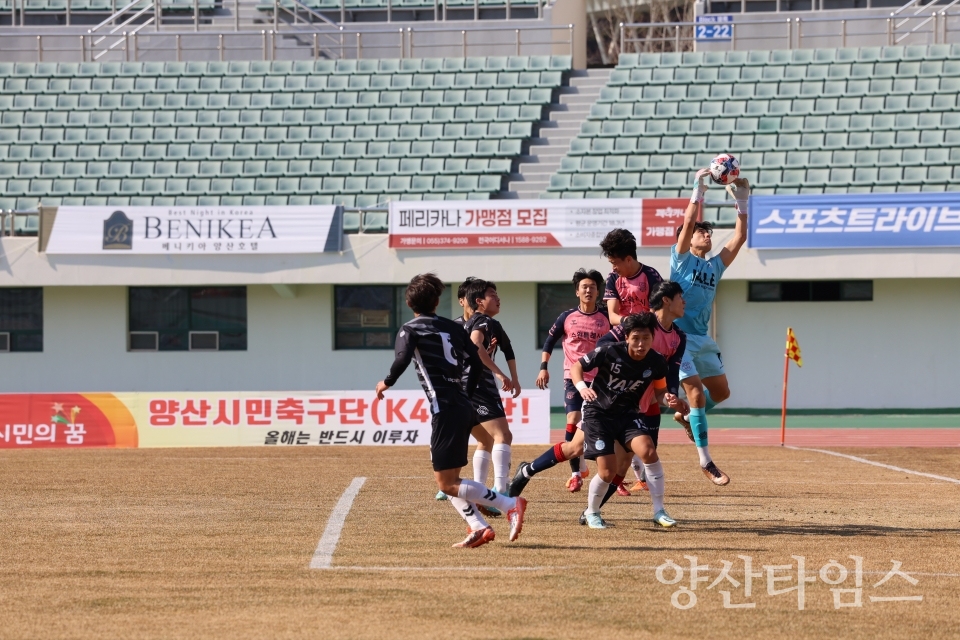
(692,214)
(740,190)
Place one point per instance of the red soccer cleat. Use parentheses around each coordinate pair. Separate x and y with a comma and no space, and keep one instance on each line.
(515,516)
(574,484)
(477,538)
(622,490)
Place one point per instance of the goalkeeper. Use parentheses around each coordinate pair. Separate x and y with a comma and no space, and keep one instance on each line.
(701,371)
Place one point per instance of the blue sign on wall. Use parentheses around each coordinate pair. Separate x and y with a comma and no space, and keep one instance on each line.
(867,220)
(714,27)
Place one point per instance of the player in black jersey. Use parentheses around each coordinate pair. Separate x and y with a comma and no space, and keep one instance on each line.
(441,350)
(610,411)
(483,329)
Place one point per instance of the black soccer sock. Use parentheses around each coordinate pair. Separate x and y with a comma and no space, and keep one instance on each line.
(568,436)
(612,489)
(550,458)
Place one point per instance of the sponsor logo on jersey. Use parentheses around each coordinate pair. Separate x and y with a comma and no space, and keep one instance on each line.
(482,410)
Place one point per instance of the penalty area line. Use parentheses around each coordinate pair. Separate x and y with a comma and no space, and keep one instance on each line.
(877,464)
(323,556)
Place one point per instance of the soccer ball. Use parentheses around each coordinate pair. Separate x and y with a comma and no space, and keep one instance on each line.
(724,169)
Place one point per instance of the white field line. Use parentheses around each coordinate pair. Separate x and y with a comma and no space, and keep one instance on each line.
(878,464)
(488,569)
(323,556)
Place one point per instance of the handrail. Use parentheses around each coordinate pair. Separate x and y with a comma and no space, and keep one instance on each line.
(324,19)
(120,26)
(114,16)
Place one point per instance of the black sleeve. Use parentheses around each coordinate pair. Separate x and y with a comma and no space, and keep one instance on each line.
(610,290)
(503,341)
(653,276)
(471,359)
(556,332)
(404,347)
(611,337)
(673,365)
(593,359)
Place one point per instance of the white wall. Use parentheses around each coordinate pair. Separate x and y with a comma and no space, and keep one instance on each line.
(898,351)
(289,347)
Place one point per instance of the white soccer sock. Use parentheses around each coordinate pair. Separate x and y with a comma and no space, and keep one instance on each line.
(469,512)
(481,466)
(637,465)
(704,454)
(655,482)
(598,489)
(475,492)
(501,467)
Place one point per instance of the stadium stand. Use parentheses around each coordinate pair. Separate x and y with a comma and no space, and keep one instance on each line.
(352,132)
(809,120)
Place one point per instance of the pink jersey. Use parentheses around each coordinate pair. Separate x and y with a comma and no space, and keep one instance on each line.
(670,344)
(579,332)
(634,292)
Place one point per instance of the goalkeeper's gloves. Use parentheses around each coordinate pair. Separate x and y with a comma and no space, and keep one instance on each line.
(700,188)
(739,190)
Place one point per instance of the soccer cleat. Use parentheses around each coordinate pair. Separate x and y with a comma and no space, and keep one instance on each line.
(714,474)
(594,521)
(685,423)
(441,495)
(583,521)
(574,484)
(490,512)
(515,517)
(519,482)
(639,485)
(477,538)
(663,519)
(622,491)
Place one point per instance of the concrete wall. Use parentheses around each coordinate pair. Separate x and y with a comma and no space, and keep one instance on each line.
(898,351)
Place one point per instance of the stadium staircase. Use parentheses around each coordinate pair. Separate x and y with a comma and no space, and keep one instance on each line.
(874,119)
(547,150)
(352,132)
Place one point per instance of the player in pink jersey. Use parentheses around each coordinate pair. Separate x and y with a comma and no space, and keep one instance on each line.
(578,329)
(629,285)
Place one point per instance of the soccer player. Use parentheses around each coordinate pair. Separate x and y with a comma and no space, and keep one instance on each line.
(701,372)
(666,299)
(441,348)
(483,329)
(628,285)
(625,371)
(578,330)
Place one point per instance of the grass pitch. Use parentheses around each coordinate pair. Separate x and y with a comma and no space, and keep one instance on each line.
(217,543)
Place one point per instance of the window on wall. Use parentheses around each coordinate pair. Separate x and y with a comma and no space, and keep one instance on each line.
(369,316)
(811,291)
(187,319)
(21,319)
(552,300)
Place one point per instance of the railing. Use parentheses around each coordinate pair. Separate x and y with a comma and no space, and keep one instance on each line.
(921,16)
(19,223)
(356,42)
(790,33)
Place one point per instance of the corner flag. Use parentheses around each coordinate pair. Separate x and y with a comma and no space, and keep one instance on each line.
(793,348)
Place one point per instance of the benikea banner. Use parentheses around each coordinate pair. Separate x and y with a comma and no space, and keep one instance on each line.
(526,224)
(223,419)
(219,230)
(867,220)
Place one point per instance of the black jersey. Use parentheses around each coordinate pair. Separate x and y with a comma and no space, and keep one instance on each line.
(442,351)
(621,381)
(671,344)
(490,329)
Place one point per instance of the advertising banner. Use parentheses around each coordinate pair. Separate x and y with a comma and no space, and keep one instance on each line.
(525,224)
(856,220)
(222,419)
(114,230)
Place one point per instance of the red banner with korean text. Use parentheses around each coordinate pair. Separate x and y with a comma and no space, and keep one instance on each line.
(474,224)
(240,419)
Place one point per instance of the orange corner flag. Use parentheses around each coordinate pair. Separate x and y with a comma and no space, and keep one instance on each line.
(793,348)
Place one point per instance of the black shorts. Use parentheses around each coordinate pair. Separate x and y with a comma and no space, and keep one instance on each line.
(450,437)
(487,405)
(601,431)
(572,400)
